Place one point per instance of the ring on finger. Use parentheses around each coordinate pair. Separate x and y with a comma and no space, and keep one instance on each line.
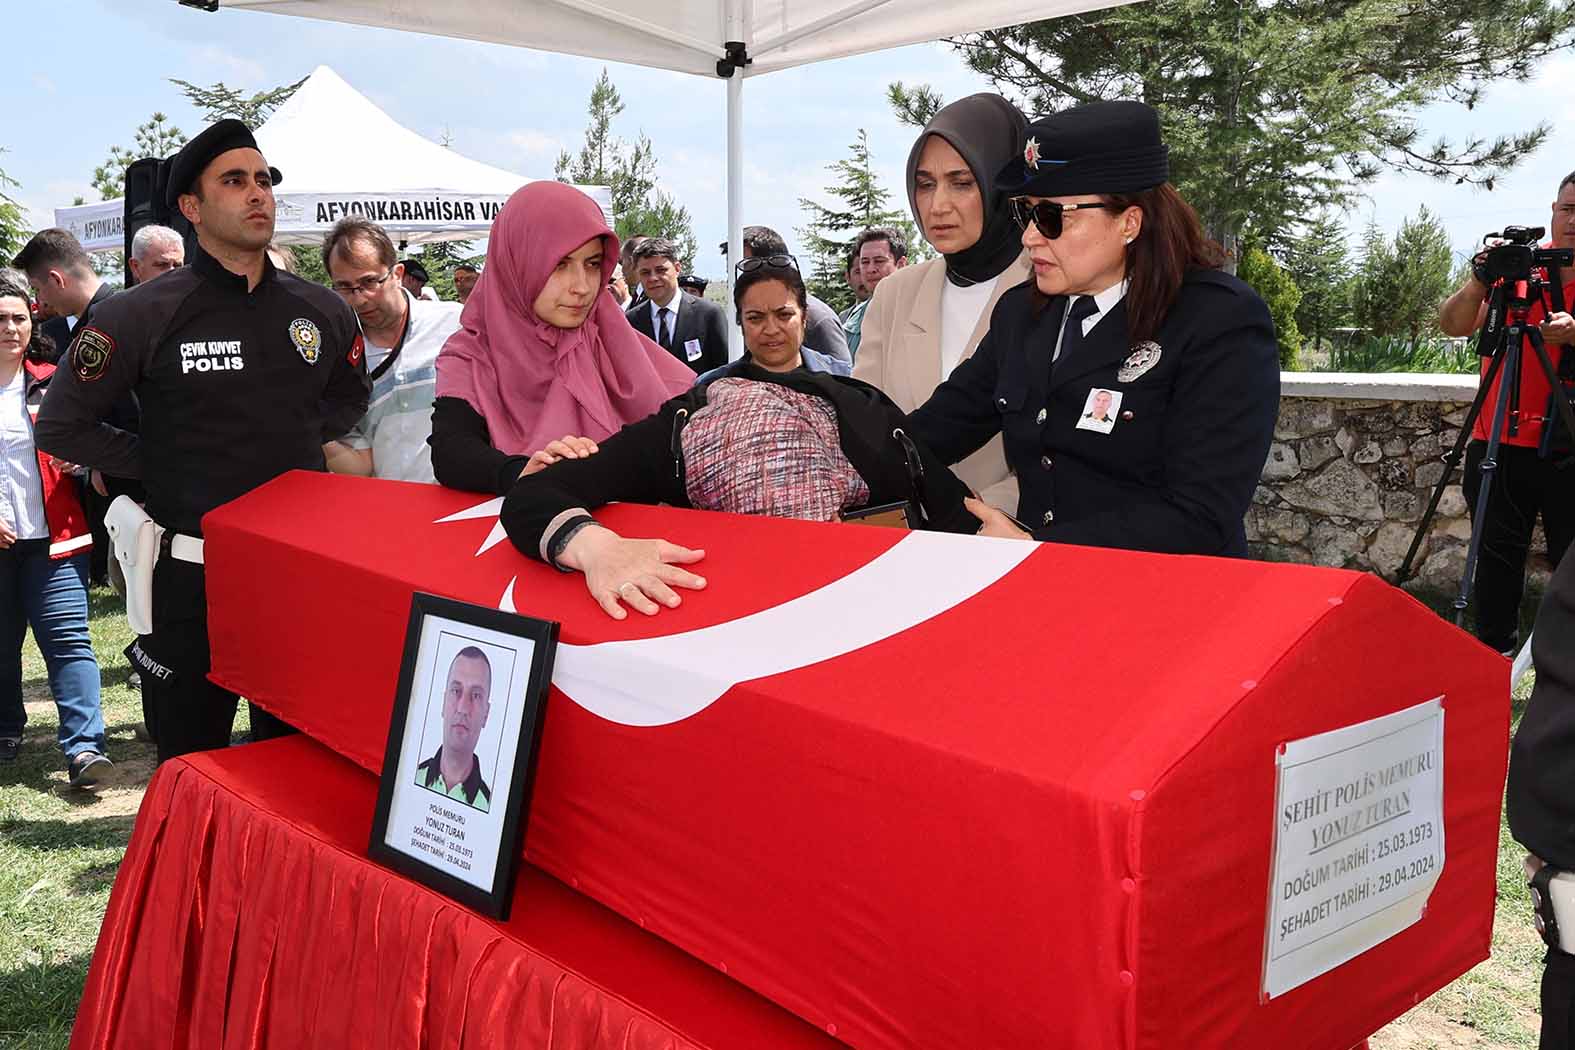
(624,587)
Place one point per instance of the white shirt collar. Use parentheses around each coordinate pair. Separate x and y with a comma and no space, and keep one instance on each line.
(671,307)
(1106,301)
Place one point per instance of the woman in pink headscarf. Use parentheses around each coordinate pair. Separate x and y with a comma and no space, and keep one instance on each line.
(543,350)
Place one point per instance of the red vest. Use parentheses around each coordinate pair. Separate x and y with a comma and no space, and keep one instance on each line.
(1534,388)
(68,525)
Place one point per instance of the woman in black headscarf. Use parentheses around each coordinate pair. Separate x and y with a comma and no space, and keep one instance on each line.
(927,319)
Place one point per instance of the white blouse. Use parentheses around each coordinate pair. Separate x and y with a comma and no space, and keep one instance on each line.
(961,309)
(22,491)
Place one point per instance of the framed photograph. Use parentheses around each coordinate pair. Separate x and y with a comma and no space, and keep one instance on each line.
(462,749)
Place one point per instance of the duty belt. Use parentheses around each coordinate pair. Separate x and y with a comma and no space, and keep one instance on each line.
(1553,903)
(182,547)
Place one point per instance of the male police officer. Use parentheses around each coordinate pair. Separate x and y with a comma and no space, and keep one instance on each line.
(243,373)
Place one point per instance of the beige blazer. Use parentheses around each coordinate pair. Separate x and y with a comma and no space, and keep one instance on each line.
(900,352)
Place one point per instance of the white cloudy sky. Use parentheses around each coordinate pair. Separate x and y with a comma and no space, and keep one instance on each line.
(84,73)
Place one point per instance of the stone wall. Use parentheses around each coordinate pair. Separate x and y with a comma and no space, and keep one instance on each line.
(1354,462)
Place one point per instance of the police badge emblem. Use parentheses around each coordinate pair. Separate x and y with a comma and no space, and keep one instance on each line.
(90,354)
(1031,154)
(307,339)
(1143,357)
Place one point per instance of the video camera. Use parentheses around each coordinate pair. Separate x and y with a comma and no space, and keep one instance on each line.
(1512,254)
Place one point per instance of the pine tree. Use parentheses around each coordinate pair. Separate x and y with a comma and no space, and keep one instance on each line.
(309,263)
(1319,262)
(218,101)
(1425,265)
(13,224)
(830,233)
(1399,284)
(639,207)
(156,137)
(441,257)
(1259,269)
(1275,111)
(1372,285)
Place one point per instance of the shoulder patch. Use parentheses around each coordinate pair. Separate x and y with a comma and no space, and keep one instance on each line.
(90,354)
(357,349)
(307,339)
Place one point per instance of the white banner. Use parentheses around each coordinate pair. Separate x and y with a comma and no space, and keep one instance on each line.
(1358,843)
(409,216)
(100,227)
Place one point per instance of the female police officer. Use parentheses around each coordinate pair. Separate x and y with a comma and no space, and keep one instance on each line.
(1127,301)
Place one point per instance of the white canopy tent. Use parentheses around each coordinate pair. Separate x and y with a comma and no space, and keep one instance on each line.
(342,155)
(731,39)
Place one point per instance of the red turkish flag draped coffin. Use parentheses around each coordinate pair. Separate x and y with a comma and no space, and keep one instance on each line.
(923,791)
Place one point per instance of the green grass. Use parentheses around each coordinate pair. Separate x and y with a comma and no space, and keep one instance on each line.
(59,850)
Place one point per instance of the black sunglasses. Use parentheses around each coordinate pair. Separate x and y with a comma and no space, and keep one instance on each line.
(1046,215)
(760,262)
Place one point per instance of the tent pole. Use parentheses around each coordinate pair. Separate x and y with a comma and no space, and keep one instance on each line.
(735,197)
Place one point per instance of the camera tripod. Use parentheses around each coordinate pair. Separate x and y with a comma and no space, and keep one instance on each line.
(1506,327)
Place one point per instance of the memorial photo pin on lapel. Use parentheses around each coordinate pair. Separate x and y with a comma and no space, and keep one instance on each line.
(1099,410)
(1143,357)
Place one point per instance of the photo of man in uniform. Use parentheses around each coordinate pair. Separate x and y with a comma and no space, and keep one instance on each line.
(1099,411)
(455,770)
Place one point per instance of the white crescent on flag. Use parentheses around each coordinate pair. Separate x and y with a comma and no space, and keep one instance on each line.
(679,675)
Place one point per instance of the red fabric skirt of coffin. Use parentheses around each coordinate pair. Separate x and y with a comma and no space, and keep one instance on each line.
(245,916)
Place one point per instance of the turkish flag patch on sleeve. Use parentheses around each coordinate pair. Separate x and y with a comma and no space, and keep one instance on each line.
(90,354)
(357,349)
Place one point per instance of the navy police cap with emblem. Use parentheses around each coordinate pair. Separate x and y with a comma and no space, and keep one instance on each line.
(219,137)
(1101,147)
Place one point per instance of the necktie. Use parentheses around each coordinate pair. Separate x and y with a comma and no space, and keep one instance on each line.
(664,334)
(1083,307)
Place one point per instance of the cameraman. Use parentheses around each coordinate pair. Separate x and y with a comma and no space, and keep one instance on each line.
(1541,795)
(1525,482)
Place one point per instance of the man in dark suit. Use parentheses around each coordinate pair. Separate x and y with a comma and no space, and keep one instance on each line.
(691,329)
(63,281)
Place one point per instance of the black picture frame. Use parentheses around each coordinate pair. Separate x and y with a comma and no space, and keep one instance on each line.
(491,892)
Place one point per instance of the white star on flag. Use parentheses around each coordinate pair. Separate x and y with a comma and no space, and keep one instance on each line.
(490,509)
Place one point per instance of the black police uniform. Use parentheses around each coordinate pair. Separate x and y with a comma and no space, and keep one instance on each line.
(123,414)
(236,387)
(1178,468)
(1541,796)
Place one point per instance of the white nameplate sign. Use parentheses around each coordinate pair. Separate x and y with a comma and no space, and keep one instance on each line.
(1358,841)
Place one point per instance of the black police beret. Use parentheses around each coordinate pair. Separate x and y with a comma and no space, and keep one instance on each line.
(1101,147)
(193,157)
(413,268)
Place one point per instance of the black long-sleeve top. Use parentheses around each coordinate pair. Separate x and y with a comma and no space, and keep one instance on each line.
(643,462)
(1541,797)
(463,456)
(1194,416)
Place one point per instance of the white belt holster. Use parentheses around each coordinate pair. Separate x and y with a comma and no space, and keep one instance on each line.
(138,540)
(1553,901)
